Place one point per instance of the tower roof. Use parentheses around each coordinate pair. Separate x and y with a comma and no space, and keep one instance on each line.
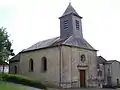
(70,10)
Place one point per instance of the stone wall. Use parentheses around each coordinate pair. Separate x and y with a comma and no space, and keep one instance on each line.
(115,73)
(62,65)
(12,67)
(52,74)
(70,61)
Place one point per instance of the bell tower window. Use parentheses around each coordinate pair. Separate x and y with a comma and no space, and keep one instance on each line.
(66,25)
(77,24)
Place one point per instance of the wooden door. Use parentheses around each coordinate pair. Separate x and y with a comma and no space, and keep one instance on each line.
(82,78)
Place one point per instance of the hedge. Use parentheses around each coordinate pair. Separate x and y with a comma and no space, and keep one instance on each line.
(22,80)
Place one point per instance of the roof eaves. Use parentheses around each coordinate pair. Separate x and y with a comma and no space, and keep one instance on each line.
(16,56)
(14,61)
(40,49)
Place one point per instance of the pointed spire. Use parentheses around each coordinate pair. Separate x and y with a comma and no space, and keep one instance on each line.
(70,10)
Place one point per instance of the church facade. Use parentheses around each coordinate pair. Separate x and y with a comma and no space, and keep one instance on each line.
(65,61)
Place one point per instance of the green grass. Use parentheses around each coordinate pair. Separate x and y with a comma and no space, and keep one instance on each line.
(22,80)
(4,86)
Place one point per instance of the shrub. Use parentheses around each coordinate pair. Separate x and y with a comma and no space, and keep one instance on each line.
(22,80)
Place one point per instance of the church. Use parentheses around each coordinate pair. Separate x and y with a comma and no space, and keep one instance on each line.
(66,61)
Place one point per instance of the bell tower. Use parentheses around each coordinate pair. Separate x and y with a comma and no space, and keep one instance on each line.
(70,23)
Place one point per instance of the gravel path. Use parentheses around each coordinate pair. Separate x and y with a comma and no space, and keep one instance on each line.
(23,86)
(31,88)
(86,89)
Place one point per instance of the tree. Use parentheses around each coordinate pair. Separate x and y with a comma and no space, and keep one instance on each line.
(5,46)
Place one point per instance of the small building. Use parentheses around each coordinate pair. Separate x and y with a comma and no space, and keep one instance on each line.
(101,70)
(108,71)
(112,72)
(14,64)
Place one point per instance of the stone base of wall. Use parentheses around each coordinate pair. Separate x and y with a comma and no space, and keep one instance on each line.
(77,85)
(93,85)
(69,84)
(73,85)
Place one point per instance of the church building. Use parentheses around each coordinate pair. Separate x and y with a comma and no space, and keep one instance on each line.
(66,61)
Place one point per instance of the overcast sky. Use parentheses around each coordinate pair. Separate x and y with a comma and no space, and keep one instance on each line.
(30,21)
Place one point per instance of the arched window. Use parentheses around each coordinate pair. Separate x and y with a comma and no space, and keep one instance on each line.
(31,67)
(44,64)
(82,58)
(15,69)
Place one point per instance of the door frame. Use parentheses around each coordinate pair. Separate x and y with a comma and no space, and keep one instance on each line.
(81,84)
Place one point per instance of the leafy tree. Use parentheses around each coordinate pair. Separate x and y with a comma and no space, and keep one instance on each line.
(5,46)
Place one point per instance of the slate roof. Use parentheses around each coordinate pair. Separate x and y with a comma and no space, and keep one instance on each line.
(15,58)
(79,42)
(70,10)
(111,61)
(101,60)
(71,41)
(42,44)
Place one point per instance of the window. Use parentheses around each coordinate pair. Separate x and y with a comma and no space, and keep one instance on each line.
(65,25)
(31,67)
(15,69)
(82,58)
(99,73)
(98,66)
(117,82)
(44,64)
(77,25)
(108,71)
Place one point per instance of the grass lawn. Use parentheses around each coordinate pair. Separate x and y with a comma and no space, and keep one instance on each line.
(4,86)
(18,81)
